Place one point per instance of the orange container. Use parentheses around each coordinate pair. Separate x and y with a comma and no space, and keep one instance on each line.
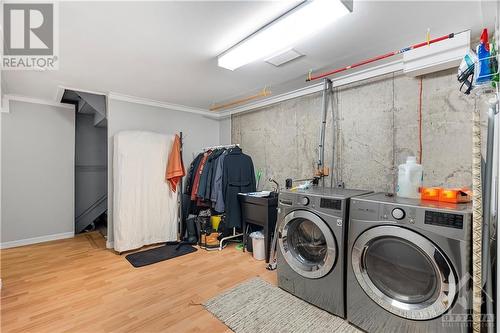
(430,193)
(455,195)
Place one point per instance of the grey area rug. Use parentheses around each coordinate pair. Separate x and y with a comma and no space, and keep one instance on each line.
(257,306)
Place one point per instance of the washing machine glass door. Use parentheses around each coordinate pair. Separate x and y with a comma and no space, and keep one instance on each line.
(307,244)
(404,272)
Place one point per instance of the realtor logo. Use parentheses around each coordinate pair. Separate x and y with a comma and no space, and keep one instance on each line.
(29,36)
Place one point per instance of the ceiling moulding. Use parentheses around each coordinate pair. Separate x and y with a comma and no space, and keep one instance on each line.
(164,105)
(365,74)
(7,98)
(5,105)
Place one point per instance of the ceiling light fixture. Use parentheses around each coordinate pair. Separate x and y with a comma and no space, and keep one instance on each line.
(302,21)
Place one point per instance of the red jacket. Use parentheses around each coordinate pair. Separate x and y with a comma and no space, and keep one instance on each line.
(196,182)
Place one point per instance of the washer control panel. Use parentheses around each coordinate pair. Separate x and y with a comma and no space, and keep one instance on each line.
(304,201)
(398,213)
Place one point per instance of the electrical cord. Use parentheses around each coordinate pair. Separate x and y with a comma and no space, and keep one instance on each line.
(420,120)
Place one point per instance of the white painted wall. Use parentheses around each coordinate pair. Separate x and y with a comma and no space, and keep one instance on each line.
(37,169)
(198,132)
(225,131)
(1,113)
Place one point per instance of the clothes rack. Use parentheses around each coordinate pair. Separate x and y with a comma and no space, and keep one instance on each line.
(180,229)
(235,234)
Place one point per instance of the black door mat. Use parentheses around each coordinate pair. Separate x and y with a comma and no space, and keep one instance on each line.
(152,256)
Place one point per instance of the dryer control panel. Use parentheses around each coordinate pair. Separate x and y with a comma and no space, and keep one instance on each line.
(450,220)
(330,203)
(444,219)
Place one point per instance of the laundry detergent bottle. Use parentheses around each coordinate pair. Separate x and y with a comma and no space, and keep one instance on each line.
(483,71)
(410,178)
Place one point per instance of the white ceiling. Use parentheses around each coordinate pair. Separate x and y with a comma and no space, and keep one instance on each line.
(167,51)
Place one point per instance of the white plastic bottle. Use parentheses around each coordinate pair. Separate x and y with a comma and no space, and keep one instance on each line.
(410,178)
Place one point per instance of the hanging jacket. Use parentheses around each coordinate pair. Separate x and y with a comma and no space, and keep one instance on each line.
(217,196)
(197,176)
(238,177)
(211,172)
(204,180)
(187,206)
(191,173)
(175,168)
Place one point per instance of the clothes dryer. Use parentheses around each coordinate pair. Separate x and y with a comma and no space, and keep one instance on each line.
(409,264)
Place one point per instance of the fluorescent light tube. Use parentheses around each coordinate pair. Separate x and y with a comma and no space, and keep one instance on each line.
(301,22)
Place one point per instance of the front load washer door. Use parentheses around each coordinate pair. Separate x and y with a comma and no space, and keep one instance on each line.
(404,272)
(307,243)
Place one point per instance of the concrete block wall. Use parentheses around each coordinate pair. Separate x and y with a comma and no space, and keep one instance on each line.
(375,129)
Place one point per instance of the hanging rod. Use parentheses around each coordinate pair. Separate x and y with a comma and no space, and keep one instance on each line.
(429,41)
(263,93)
(222,146)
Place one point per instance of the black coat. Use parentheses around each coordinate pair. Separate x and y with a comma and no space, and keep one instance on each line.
(191,173)
(202,185)
(212,159)
(238,177)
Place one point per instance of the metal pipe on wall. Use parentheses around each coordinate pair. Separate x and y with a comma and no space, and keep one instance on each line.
(496,168)
(321,145)
(333,180)
(495,206)
(496,192)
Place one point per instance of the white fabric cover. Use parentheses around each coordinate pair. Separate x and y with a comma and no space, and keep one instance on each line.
(144,207)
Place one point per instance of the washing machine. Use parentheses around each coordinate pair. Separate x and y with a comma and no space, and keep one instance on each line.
(409,265)
(311,238)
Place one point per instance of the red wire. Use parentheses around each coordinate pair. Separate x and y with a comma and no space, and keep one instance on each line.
(420,121)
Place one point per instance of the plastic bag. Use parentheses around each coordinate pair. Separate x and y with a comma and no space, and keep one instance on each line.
(257,235)
(465,73)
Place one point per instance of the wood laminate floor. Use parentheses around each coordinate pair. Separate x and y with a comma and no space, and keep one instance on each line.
(77,285)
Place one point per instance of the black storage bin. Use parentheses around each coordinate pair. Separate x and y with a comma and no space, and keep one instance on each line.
(259,212)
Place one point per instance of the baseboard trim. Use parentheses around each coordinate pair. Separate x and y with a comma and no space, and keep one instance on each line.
(36,240)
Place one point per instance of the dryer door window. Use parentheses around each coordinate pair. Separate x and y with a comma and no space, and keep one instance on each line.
(307,244)
(404,272)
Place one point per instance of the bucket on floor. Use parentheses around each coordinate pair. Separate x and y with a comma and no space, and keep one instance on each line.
(259,252)
(215,219)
